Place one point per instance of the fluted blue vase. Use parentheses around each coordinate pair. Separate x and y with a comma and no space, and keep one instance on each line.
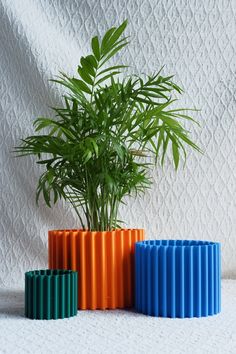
(177,278)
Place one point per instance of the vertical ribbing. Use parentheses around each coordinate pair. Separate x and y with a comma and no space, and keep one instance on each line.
(41,304)
(171,306)
(205,280)
(163,281)
(101,267)
(127,267)
(191,275)
(50,248)
(48,290)
(120,267)
(82,255)
(138,277)
(143,280)
(62,299)
(197,281)
(216,302)
(35,297)
(177,275)
(149,279)
(177,278)
(134,239)
(104,260)
(55,296)
(75,287)
(65,237)
(72,254)
(154,280)
(182,288)
(51,294)
(111,270)
(211,280)
(68,281)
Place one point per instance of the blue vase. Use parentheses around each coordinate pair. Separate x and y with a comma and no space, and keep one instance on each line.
(177,278)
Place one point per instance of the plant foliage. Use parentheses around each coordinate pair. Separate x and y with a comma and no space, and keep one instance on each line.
(99,147)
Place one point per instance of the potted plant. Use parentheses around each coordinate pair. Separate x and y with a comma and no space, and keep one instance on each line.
(97,149)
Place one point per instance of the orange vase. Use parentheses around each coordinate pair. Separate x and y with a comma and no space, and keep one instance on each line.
(104,261)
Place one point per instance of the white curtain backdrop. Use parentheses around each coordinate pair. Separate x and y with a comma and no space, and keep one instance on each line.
(196,40)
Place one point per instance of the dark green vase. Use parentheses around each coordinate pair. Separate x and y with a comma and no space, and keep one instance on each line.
(51,294)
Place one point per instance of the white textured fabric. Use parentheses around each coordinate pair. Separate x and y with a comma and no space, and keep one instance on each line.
(117,331)
(194,39)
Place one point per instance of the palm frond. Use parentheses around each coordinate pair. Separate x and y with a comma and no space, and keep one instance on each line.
(100,146)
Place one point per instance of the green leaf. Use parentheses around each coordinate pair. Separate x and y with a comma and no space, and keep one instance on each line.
(55,196)
(165,145)
(87,156)
(117,33)
(117,49)
(95,146)
(95,47)
(120,150)
(87,66)
(109,181)
(184,116)
(107,77)
(91,60)
(85,76)
(169,121)
(50,176)
(184,137)
(112,68)
(175,151)
(68,133)
(106,38)
(46,195)
(142,100)
(81,85)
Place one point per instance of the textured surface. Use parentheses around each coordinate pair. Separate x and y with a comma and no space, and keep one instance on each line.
(194,39)
(104,261)
(117,331)
(177,278)
(51,294)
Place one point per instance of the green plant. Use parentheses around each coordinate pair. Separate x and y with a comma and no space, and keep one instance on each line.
(101,145)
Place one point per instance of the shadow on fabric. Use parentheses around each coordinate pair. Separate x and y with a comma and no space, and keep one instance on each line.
(11,303)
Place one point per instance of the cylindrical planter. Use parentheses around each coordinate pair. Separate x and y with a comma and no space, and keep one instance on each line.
(104,261)
(51,294)
(177,278)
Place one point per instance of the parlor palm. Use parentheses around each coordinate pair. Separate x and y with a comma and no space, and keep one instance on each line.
(99,147)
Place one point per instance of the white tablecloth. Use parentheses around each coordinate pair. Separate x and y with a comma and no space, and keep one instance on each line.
(117,331)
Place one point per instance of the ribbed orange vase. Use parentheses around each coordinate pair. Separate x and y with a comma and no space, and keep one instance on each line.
(104,261)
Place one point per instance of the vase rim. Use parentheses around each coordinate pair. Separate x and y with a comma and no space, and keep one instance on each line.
(49,272)
(84,230)
(177,243)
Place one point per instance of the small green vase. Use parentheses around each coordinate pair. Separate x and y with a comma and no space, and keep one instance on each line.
(51,294)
